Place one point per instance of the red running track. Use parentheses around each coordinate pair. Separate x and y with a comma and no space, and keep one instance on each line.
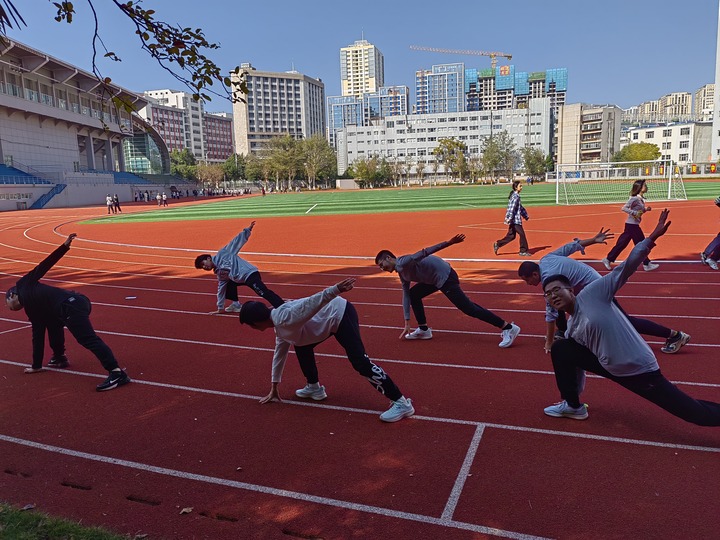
(479,459)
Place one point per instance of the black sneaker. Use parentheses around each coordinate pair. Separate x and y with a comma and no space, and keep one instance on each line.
(115,379)
(58,362)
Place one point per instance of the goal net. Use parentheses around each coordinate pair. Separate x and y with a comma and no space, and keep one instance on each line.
(591,183)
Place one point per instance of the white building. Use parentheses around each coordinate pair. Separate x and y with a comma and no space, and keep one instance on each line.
(277,104)
(192,111)
(61,137)
(412,138)
(362,69)
(682,143)
(587,133)
(704,103)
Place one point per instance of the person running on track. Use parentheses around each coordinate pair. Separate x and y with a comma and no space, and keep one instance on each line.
(513,219)
(634,208)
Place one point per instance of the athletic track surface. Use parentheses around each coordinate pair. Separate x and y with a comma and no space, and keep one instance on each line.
(478,460)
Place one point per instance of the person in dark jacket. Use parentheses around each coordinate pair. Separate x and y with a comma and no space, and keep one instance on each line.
(51,309)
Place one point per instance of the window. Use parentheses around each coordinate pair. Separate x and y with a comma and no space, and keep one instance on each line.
(649,134)
(666,146)
(685,131)
(635,136)
(683,157)
(684,144)
(667,132)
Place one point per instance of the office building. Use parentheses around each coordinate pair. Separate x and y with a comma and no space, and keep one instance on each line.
(682,143)
(412,138)
(440,89)
(192,117)
(587,133)
(704,103)
(218,136)
(277,104)
(362,69)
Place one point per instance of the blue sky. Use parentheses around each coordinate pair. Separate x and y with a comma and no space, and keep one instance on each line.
(620,52)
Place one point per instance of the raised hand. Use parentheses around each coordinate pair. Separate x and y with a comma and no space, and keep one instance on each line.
(603,236)
(346,284)
(69,239)
(457,239)
(662,225)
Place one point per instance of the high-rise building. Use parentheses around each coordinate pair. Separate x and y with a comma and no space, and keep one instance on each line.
(440,89)
(192,117)
(387,101)
(277,104)
(362,69)
(704,103)
(487,89)
(218,136)
(587,133)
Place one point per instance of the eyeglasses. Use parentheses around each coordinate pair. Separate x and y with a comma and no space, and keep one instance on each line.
(554,291)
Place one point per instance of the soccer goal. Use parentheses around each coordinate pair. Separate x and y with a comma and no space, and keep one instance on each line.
(591,183)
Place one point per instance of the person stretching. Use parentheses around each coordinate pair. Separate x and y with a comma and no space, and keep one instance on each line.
(231,271)
(433,274)
(602,340)
(306,323)
(51,309)
(580,275)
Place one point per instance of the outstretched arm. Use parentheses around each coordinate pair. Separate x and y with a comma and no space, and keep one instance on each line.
(600,238)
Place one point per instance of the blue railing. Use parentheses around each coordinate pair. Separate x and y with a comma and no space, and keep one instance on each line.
(41,201)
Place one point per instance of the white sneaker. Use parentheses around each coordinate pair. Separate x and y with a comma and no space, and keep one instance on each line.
(312,391)
(399,409)
(712,264)
(563,410)
(703,258)
(650,267)
(607,263)
(419,334)
(234,307)
(509,335)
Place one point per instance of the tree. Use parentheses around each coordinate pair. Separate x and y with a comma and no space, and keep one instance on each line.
(234,167)
(491,157)
(508,152)
(534,161)
(284,157)
(181,51)
(318,157)
(366,170)
(451,153)
(183,164)
(637,152)
(210,173)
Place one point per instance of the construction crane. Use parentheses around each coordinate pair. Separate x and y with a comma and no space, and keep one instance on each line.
(493,55)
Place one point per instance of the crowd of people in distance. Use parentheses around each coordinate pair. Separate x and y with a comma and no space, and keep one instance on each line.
(587,330)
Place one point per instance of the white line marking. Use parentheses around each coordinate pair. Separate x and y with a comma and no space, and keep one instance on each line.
(441,420)
(326,501)
(309,209)
(462,475)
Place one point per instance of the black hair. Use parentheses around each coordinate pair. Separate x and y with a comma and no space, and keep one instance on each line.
(515,184)
(254,312)
(10,292)
(199,260)
(556,277)
(383,253)
(637,187)
(527,268)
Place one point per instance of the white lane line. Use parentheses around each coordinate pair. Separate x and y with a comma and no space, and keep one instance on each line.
(309,209)
(462,475)
(441,420)
(305,497)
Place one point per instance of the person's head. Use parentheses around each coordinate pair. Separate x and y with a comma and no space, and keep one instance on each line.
(638,187)
(12,300)
(385,260)
(516,187)
(529,272)
(256,315)
(204,262)
(559,293)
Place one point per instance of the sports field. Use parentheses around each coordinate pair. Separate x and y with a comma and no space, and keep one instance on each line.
(186,451)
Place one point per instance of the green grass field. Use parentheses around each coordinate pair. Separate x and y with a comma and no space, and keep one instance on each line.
(368,201)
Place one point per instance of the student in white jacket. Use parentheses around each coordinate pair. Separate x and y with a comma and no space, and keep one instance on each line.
(307,322)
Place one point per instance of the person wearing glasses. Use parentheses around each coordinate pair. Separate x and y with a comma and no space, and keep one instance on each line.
(601,340)
(580,275)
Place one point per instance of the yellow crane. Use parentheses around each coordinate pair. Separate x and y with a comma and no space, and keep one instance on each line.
(493,55)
